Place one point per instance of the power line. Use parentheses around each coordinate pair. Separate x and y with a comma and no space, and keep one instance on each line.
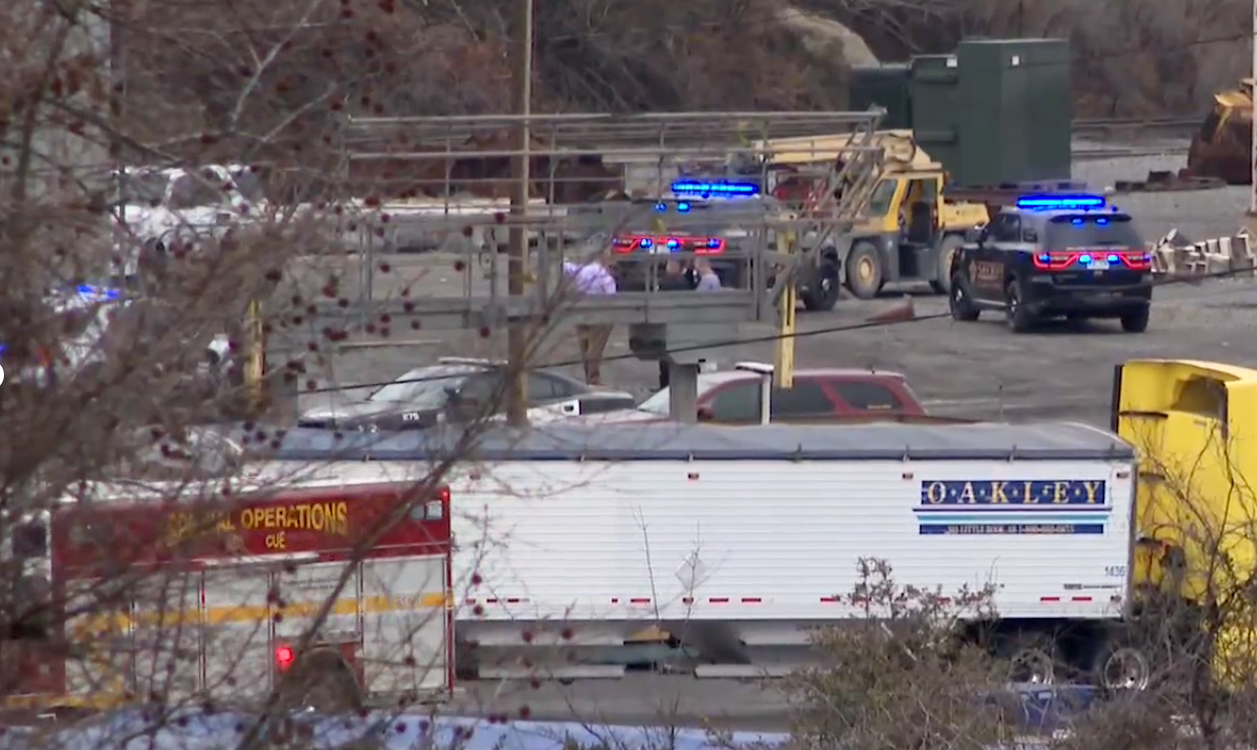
(765,338)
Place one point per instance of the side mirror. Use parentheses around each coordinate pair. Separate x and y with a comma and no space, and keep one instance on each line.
(974,235)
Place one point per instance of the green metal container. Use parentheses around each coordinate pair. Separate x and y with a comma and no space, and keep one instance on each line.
(935,92)
(1014,117)
(883,86)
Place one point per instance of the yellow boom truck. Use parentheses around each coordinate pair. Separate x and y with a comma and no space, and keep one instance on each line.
(909,231)
(1194,568)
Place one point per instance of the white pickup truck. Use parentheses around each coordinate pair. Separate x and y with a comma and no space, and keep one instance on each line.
(159,205)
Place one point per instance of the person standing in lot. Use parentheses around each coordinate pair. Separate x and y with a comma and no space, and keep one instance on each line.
(592,278)
(674,279)
(708,281)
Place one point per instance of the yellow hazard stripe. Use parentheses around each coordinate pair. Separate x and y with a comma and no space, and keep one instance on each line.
(100,699)
(371,605)
(97,699)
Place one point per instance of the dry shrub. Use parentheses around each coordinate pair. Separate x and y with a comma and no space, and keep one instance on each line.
(900,676)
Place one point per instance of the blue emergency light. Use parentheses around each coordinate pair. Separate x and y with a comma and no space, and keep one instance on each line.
(722,189)
(87,290)
(1060,202)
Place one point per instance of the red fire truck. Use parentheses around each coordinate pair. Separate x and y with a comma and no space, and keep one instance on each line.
(330,596)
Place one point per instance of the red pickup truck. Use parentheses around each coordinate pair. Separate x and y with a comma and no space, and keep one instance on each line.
(818,395)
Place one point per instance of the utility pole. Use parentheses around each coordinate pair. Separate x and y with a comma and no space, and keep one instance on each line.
(521,104)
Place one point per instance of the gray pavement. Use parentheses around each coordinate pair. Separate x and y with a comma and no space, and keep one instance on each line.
(1199,214)
(960,369)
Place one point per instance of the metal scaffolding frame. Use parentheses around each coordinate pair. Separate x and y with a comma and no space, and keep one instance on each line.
(595,178)
(455,169)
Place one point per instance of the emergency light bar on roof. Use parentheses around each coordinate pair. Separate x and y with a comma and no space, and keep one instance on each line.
(1060,202)
(96,293)
(720,189)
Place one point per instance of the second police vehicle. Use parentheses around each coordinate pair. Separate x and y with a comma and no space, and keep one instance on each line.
(1050,256)
(718,220)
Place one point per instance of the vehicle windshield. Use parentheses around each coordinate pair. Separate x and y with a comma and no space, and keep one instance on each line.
(418,390)
(1087,230)
(192,191)
(142,188)
(248,184)
(660,403)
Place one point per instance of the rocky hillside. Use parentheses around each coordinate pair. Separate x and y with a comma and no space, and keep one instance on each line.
(1132,57)
(412,57)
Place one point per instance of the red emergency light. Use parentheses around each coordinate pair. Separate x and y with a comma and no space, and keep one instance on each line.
(1094,259)
(668,244)
(284,657)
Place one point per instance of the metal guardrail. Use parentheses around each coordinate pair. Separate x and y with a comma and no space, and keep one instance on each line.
(1133,125)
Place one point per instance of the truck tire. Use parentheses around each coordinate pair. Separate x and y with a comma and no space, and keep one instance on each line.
(1118,666)
(825,287)
(959,302)
(1032,656)
(946,252)
(864,270)
(1136,321)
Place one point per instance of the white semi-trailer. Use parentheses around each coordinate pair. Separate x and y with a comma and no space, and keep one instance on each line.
(740,539)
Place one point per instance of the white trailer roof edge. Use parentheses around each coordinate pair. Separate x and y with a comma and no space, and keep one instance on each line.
(1048,441)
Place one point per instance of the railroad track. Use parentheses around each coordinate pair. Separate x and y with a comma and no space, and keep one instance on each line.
(1129,124)
(1096,154)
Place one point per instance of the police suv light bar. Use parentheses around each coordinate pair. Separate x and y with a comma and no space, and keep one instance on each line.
(472,361)
(97,293)
(1060,202)
(723,189)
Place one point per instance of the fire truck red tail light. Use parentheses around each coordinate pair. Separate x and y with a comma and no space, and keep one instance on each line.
(444,494)
(284,657)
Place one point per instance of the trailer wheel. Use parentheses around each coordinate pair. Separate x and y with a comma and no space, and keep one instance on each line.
(322,681)
(1033,658)
(1118,666)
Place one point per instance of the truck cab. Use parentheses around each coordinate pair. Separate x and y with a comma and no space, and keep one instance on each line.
(911,231)
(1195,551)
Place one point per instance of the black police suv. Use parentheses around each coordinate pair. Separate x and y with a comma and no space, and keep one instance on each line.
(1054,256)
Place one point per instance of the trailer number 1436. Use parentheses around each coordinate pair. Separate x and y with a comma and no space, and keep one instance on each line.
(1115,571)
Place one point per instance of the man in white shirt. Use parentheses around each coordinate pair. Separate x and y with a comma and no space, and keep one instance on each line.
(708,281)
(592,278)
